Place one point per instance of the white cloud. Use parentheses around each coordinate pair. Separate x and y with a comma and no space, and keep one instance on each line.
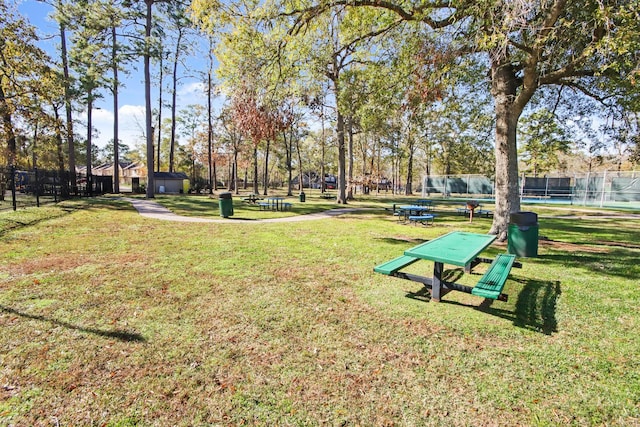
(192,89)
(130,125)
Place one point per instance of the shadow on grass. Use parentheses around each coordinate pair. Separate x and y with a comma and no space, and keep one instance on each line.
(116,334)
(15,220)
(400,241)
(424,294)
(620,262)
(535,307)
(8,224)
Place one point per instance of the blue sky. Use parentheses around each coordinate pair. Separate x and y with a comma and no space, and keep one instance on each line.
(131,97)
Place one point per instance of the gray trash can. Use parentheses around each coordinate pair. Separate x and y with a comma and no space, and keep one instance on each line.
(226,205)
(522,235)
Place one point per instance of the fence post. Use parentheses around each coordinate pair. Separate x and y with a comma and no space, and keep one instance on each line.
(546,186)
(37,186)
(604,188)
(586,189)
(56,183)
(446,185)
(13,187)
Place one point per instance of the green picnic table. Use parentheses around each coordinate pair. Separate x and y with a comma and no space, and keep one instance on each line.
(457,248)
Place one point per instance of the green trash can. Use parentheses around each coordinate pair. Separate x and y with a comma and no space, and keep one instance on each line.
(226,205)
(303,197)
(522,235)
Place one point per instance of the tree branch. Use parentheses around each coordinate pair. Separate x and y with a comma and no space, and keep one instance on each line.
(305,15)
(576,85)
(370,35)
(559,76)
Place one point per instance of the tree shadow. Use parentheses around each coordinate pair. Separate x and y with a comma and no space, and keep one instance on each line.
(116,334)
(619,262)
(66,207)
(400,241)
(9,224)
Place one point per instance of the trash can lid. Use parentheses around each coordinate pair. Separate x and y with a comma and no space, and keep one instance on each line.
(225,195)
(523,218)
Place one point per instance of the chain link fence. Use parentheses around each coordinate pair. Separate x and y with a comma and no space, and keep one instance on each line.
(603,189)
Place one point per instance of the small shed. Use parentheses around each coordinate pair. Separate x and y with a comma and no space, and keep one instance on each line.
(169,182)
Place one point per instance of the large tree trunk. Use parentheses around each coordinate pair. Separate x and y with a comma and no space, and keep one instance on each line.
(300,168)
(68,107)
(7,126)
(150,193)
(350,154)
(58,139)
(342,162)
(342,152)
(255,170)
(288,148)
(89,139)
(174,96)
(503,88)
(116,125)
(408,190)
(159,130)
(323,184)
(210,163)
(266,169)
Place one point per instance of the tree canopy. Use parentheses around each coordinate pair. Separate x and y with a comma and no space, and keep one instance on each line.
(590,47)
(406,87)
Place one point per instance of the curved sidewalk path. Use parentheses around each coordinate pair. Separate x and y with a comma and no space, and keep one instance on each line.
(151,209)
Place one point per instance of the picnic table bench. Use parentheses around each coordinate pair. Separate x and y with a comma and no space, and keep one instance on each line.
(456,248)
(465,210)
(404,212)
(275,204)
(492,283)
(252,198)
(422,219)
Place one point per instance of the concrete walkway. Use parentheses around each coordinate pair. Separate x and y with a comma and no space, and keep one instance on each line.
(151,209)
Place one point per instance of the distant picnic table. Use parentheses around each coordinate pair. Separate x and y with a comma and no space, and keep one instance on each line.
(252,198)
(275,204)
(416,213)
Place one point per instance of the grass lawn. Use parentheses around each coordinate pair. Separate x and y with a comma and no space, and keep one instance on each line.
(108,318)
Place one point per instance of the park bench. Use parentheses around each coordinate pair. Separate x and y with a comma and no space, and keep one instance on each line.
(492,282)
(423,219)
